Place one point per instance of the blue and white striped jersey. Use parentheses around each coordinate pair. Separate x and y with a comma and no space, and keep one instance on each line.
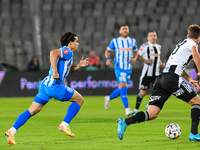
(123,51)
(63,65)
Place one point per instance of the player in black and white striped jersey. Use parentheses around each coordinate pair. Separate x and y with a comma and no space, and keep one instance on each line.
(149,53)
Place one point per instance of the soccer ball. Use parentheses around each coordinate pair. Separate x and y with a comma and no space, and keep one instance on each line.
(173,131)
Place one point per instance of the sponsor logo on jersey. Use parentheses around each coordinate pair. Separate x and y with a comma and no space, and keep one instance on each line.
(65,51)
(125,49)
(156,55)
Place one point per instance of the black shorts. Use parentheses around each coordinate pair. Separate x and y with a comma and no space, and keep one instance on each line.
(146,81)
(167,84)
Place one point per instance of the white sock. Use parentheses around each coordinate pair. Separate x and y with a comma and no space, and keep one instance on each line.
(65,123)
(13,130)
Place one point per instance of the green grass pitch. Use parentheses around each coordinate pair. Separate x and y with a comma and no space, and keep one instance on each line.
(94,128)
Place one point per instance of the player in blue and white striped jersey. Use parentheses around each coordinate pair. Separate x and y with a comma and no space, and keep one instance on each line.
(125,54)
(52,87)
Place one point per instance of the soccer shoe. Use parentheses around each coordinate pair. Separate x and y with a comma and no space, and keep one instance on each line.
(193,137)
(107,102)
(10,137)
(135,111)
(129,112)
(66,129)
(146,106)
(121,128)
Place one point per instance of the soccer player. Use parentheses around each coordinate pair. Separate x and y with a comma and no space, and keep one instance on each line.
(52,87)
(125,54)
(149,53)
(171,82)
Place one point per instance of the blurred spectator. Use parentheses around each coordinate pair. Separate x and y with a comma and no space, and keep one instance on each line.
(93,61)
(33,65)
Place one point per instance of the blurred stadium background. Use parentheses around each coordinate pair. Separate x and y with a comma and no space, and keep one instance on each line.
(34,27)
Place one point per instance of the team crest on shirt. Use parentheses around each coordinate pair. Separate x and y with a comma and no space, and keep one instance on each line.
(65,51)
(141,48)
(70,66)
(196,46)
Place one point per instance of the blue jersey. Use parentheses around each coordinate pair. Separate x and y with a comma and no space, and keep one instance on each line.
(63,66)
(123,51)
(54,87)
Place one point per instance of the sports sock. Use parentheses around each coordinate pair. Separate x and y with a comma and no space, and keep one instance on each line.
(64,123)
(71,112)
(115,94)
(195,111)
(124,98)
(139,117)
(139,100)
(13,130)
(22,119)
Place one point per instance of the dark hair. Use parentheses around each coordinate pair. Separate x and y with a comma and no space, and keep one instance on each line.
(151,31)
(123,25)
(193,31)
(66,38)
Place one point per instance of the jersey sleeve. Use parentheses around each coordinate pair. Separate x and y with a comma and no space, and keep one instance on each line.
(112,45)
(141,50)
(194,45)
(135,48)
(66,53)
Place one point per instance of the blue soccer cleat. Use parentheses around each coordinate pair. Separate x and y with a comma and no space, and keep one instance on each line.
(121,128)
(193,137)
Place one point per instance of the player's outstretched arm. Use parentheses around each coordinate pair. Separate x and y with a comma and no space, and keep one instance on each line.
(196,58)
(193,82)
(83,63)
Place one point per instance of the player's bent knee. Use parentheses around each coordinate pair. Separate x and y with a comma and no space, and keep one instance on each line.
(80,101)
(195,100)
(34,112)
(152,117)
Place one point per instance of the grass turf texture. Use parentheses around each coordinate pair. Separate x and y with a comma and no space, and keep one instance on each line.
(94,128)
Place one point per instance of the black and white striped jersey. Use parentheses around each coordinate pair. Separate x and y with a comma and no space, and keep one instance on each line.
(150,51)
(180,57)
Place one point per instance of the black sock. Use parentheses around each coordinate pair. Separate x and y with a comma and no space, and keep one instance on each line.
(139,117)
(195,112)
(139,100)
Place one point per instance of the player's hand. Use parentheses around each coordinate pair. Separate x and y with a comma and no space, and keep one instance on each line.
(162,65)
(84,62)
(148,61)
(55,75)
(108,62)
(194,84)
(198,74)
(133,60)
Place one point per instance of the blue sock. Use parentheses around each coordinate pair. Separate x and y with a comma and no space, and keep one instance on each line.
(21,120)
(124,98)
(115,94)
(71,112)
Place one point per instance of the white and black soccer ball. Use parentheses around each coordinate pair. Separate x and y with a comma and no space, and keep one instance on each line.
(173,131)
